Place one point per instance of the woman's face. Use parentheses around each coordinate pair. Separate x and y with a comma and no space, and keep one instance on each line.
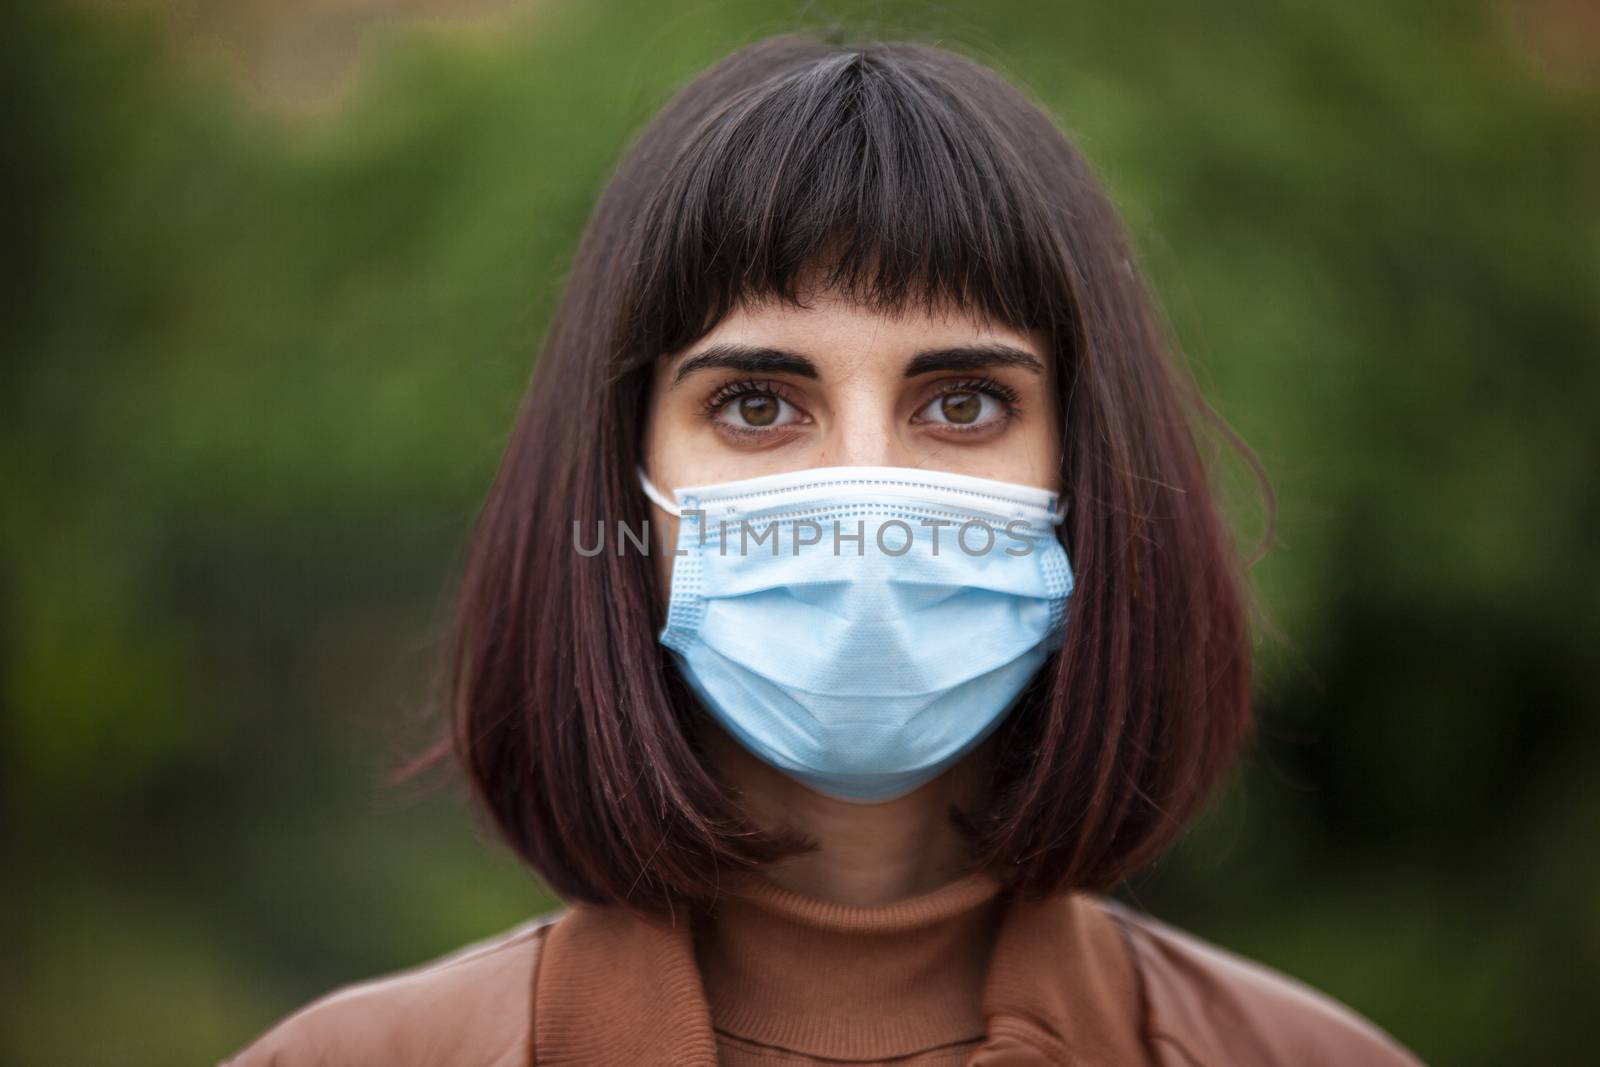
(775,388)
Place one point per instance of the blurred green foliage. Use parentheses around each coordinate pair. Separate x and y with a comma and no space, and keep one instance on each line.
(258,370)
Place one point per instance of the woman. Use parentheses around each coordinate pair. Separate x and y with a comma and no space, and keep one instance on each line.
(815,790)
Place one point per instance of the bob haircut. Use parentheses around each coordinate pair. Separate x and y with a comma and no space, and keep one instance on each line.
(911,173)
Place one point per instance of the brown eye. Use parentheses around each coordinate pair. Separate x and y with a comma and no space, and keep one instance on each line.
(758,410)
(964,408)
(961,408)
(754,409)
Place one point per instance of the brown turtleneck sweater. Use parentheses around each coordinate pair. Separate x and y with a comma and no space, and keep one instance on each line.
(792,980)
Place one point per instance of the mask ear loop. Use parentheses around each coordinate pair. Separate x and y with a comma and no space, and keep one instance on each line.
(656,496)
(1059,515)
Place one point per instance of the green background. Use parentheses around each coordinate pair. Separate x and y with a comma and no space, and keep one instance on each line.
(266,329)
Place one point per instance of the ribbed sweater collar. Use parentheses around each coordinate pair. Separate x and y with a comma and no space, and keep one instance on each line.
(1058,987)
(846,982)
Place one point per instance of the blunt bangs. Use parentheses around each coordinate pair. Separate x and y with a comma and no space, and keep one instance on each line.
(908,174)
(863,163)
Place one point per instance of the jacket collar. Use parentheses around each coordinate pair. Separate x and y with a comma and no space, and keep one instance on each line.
(615,988)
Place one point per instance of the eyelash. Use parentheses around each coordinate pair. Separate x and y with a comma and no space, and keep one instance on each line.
(728,392)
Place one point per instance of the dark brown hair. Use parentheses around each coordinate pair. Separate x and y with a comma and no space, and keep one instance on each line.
(911,173)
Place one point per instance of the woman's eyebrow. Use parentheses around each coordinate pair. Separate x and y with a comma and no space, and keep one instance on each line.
(750,359)
(764,359)
(972,357)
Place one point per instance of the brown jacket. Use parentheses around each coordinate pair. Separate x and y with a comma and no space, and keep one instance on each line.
(1076,979)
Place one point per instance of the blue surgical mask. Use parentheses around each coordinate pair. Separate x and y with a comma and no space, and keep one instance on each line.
(863,628)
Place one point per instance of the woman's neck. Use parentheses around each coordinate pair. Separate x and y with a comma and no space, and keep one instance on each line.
(868,854)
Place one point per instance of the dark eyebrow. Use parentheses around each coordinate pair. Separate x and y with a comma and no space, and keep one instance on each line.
(761,359)
(972,357)
(752,360)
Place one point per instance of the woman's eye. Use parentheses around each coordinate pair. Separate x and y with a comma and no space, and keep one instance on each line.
(961,407)
(757,411)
